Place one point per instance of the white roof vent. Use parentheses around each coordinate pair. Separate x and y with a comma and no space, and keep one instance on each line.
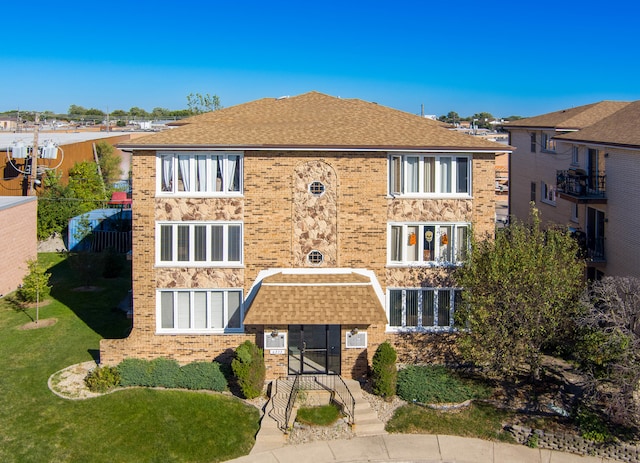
(282,97)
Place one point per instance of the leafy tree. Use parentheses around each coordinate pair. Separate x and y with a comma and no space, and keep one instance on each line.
(609,346)
(75,110)
(35,286)
(94,112)
(198,103)
(86,186)
(109,162)
(55,206)
(119,113)
(452,117)
(138,112)
(484,119)
(522,294)
(159,113)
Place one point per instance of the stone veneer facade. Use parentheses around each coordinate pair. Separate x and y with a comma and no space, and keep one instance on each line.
(283,222)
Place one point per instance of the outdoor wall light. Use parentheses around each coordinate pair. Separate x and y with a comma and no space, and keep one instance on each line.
(354,331)
(274,333)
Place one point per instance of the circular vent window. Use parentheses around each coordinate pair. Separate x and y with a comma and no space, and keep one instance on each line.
(316,188)
(315,257)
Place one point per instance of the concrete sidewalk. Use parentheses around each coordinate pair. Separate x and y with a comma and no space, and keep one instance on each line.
(416,448)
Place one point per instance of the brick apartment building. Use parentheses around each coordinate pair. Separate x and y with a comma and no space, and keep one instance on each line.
(315,226)
(581,168)
(18,222)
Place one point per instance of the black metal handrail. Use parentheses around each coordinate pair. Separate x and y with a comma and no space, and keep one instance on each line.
(577,183)
(292,400)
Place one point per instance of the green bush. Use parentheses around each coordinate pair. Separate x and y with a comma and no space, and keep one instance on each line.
(249,370)
(592,426)
(202,375)
(384,374)
(135,372)
(436,384)
(164,373)
(101,379)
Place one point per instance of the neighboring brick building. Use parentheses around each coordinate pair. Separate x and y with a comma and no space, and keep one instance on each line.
(18,222)
(315,226)
(580,166)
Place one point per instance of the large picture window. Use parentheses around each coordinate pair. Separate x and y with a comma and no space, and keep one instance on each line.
(431,175)
(199,174)
(428,244)
(198,243)
(429,309)
(199,310)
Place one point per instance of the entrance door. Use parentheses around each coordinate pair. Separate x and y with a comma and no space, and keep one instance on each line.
(314,349)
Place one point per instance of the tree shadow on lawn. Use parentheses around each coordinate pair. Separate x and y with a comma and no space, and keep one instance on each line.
(98,303)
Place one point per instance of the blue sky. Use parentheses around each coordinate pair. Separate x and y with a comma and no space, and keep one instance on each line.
(503,57)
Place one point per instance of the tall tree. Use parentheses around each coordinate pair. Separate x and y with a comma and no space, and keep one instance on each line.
(109,163)
(199,103)
(522,291)
(86,186)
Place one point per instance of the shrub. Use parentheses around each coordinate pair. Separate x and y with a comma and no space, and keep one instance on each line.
(135,372)
(248,367)
(202,375)
(592,426)
(384,373)
(101,379)
(436,384)
(164,373)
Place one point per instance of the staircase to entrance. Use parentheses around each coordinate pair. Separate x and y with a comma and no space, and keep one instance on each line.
(279,413)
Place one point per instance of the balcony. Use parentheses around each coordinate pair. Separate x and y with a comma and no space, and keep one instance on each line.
(591,248)
(577,186)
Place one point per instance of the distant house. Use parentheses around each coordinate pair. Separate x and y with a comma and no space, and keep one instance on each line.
(315,226)
(8,124)
(581,166)
(18,222)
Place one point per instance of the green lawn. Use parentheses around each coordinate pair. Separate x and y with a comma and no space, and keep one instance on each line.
(135,425)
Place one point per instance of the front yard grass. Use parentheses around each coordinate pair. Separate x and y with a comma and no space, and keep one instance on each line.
(479,420)
(136,425)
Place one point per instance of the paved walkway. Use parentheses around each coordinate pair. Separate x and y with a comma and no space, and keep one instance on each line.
(373,444)
(415,448)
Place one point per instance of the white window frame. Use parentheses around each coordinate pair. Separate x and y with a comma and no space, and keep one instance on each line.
(210,160)
(208,329)
(401,183)
(432,257)
(419,294)
(548,144)
(547,193)
(575,156)
(191,261)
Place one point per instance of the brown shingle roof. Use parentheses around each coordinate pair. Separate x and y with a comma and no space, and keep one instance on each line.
(571,119)
(621,128)
(312,120)
(338,299)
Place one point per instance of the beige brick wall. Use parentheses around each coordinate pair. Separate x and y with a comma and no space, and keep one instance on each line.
(19,241)
(348,223)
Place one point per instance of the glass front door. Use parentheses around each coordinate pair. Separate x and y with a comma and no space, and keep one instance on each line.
(314,349)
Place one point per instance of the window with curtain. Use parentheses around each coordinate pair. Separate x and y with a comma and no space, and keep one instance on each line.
(428,244)
(199,243)
(429,309)
(201,310)
(430,175)
(200,174)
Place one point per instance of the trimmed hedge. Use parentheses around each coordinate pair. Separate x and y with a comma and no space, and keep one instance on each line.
(436,384)
(384,373)
(249,369)
(162,372)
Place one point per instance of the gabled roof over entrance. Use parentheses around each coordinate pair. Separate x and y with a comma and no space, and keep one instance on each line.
(341,298)
(312,121)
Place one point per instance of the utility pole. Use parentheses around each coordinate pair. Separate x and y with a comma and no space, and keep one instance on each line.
(34,157)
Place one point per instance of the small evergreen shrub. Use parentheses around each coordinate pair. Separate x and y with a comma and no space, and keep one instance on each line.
(436,384)
(384,373)
(102,379)
(202,375)
(135,372)
(164,372)
(249,369)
